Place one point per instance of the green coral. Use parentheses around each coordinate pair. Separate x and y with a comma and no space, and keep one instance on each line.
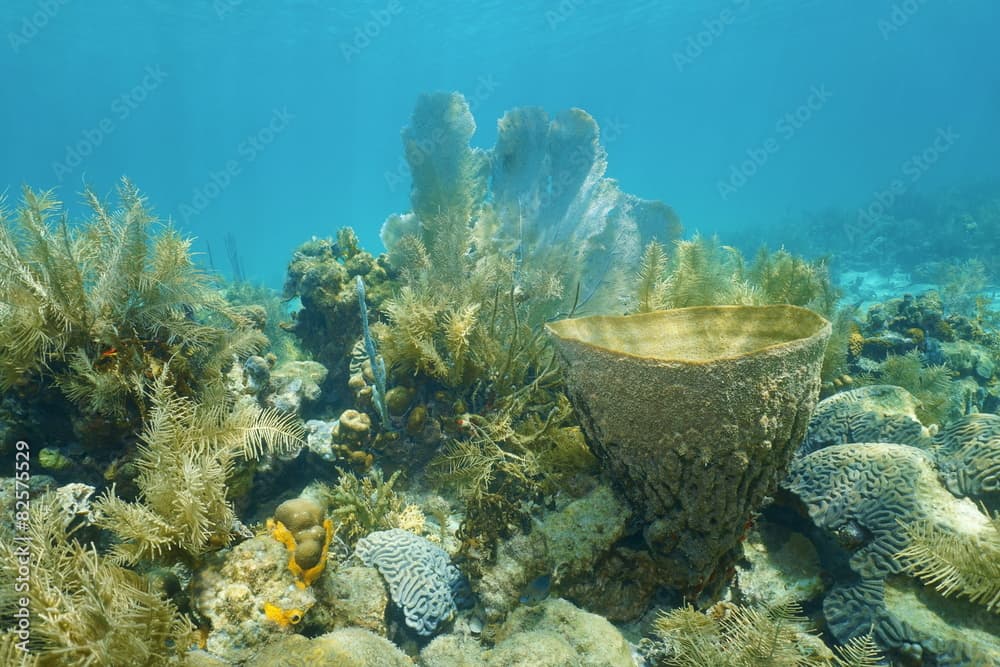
(188,452)
(85,609)
(98,306)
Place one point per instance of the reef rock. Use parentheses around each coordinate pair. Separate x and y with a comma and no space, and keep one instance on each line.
(553,633)
(235,590)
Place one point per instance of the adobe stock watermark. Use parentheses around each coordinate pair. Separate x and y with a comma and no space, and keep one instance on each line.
(33,24)
(485,87)
(581,156)
(121,108)
(247,151)
(22,546)
(370,30)
(712,29)
(785,130)
(562,13)
(899,16)
(910,171)
(224,8)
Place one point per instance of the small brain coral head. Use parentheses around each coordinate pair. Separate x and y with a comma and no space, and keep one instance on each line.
(299,525)
(309,548)
(298,514)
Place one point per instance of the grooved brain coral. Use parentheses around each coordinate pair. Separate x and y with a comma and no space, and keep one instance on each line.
(422,580)
(877,413)
(861,492)
(968,455)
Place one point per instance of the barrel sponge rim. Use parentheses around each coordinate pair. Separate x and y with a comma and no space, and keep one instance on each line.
(744,331)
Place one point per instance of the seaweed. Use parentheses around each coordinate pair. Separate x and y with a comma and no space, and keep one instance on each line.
(99,307)
(188,452)
(85,609)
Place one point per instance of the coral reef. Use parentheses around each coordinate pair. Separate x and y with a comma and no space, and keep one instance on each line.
(349,596)
(98,308)
(777,564)
(349,647)
(886,512)
(299,524)
(188,454)
(696,412)
(552,634)
(728,635)
(565,545)
(233,591)
(293,384)
(363,505)
(84,608)
(322,276)
(967,451)
(344,439)
(947,360)
(510,344)
(875,413)
(423,583)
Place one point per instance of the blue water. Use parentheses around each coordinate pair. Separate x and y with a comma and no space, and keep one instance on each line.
(275,121)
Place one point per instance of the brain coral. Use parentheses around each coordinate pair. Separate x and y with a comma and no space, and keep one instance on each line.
(863,494)
(859,493)
(877,413)
(918,627)
(968,455)
(423,583)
